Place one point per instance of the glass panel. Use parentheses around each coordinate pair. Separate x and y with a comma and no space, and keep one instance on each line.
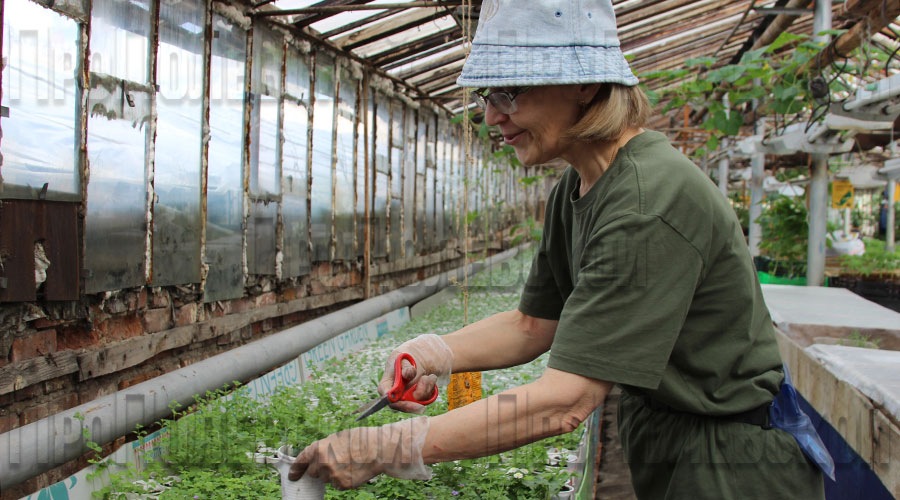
(224,191)
(420,213)
(323,128)
(396,209)
(409,184)
(396,149)
(362,166)
(120,34)
(176,178)
(450,187)
(296,80)
(261,237)
(379,228)
(421,142)
(39,71)
(115,222)
(382,133)
(266,90)
(429,210)
(430,162)
(343,187)
(294,166)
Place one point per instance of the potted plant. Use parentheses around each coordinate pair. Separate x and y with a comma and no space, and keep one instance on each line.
(785,232)
(874,275)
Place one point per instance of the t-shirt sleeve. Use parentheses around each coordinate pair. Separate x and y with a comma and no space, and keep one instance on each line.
(541,296)
(636,281)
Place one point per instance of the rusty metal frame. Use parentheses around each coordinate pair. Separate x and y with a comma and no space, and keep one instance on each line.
(205,136)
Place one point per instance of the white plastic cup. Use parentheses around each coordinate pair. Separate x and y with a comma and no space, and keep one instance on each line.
(305,488)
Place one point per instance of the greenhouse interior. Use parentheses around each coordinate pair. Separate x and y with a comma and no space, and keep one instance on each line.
(252,211)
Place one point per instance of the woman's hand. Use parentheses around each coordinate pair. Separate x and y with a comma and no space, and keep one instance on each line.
(349,458)
(434,361)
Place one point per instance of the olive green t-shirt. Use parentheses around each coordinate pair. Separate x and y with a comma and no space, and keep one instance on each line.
(653,285)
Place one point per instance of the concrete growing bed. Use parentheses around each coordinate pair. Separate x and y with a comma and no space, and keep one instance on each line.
(205,451)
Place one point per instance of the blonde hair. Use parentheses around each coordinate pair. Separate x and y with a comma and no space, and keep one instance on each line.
(613,109)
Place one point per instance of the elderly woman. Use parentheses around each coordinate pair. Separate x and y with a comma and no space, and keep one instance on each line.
(642,279)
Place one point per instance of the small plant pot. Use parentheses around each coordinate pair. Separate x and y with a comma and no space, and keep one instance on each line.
(567,492)
(305,488)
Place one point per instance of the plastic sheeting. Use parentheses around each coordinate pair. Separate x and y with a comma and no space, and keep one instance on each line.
(344,171)
(323,128)
(39,139)
(224,192)
(362,169)
(115,222)
(266,94)
(120,39)
(261,237)
(294,165)
(382,175)
(874,372)
(409,184)
(176,209)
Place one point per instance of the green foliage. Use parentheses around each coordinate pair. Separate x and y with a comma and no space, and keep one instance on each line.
(785,232)
(529,230)
(781,90)
(877,260)
(206,445)
(740,209)
(855,339)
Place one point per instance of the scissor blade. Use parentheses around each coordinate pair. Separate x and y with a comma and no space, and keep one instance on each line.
(377,405)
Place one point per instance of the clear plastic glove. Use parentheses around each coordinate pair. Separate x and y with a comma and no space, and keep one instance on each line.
(349,458)
(434,360)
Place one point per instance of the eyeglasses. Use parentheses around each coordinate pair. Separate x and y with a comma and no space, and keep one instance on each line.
(503,100)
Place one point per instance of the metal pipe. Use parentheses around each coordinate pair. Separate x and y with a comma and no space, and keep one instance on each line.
(818,185)
(40,446)
(822,21)
(818,197)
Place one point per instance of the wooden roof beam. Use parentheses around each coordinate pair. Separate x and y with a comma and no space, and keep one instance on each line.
(437,74)
(414,46)
(388,27)
(425,53)
(307,19)
(362,22)
(444,60)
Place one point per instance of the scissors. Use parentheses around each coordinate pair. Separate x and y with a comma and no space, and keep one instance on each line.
(399,392)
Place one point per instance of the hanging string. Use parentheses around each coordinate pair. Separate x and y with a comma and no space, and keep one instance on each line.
(467,145)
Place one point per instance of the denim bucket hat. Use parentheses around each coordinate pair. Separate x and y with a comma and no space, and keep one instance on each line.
(545,42)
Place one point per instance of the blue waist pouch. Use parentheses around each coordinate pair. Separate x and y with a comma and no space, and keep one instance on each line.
(785,414)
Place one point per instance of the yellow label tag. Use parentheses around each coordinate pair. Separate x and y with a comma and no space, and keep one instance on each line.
(841,194)
(464,388)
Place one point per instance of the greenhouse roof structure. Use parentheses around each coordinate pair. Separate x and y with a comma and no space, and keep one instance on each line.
(421,43)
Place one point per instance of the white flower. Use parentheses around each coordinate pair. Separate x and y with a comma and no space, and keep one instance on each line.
(458,469)
(518,475)
(512,470)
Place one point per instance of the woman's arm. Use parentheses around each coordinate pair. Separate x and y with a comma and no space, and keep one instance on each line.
(554,404)
(505,339)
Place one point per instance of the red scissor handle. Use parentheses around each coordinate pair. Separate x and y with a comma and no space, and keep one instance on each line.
(399,392)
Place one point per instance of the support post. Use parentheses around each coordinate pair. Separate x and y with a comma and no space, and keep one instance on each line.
(757,173)
(818,197)
(723,171)
(891,216)
(818,186)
